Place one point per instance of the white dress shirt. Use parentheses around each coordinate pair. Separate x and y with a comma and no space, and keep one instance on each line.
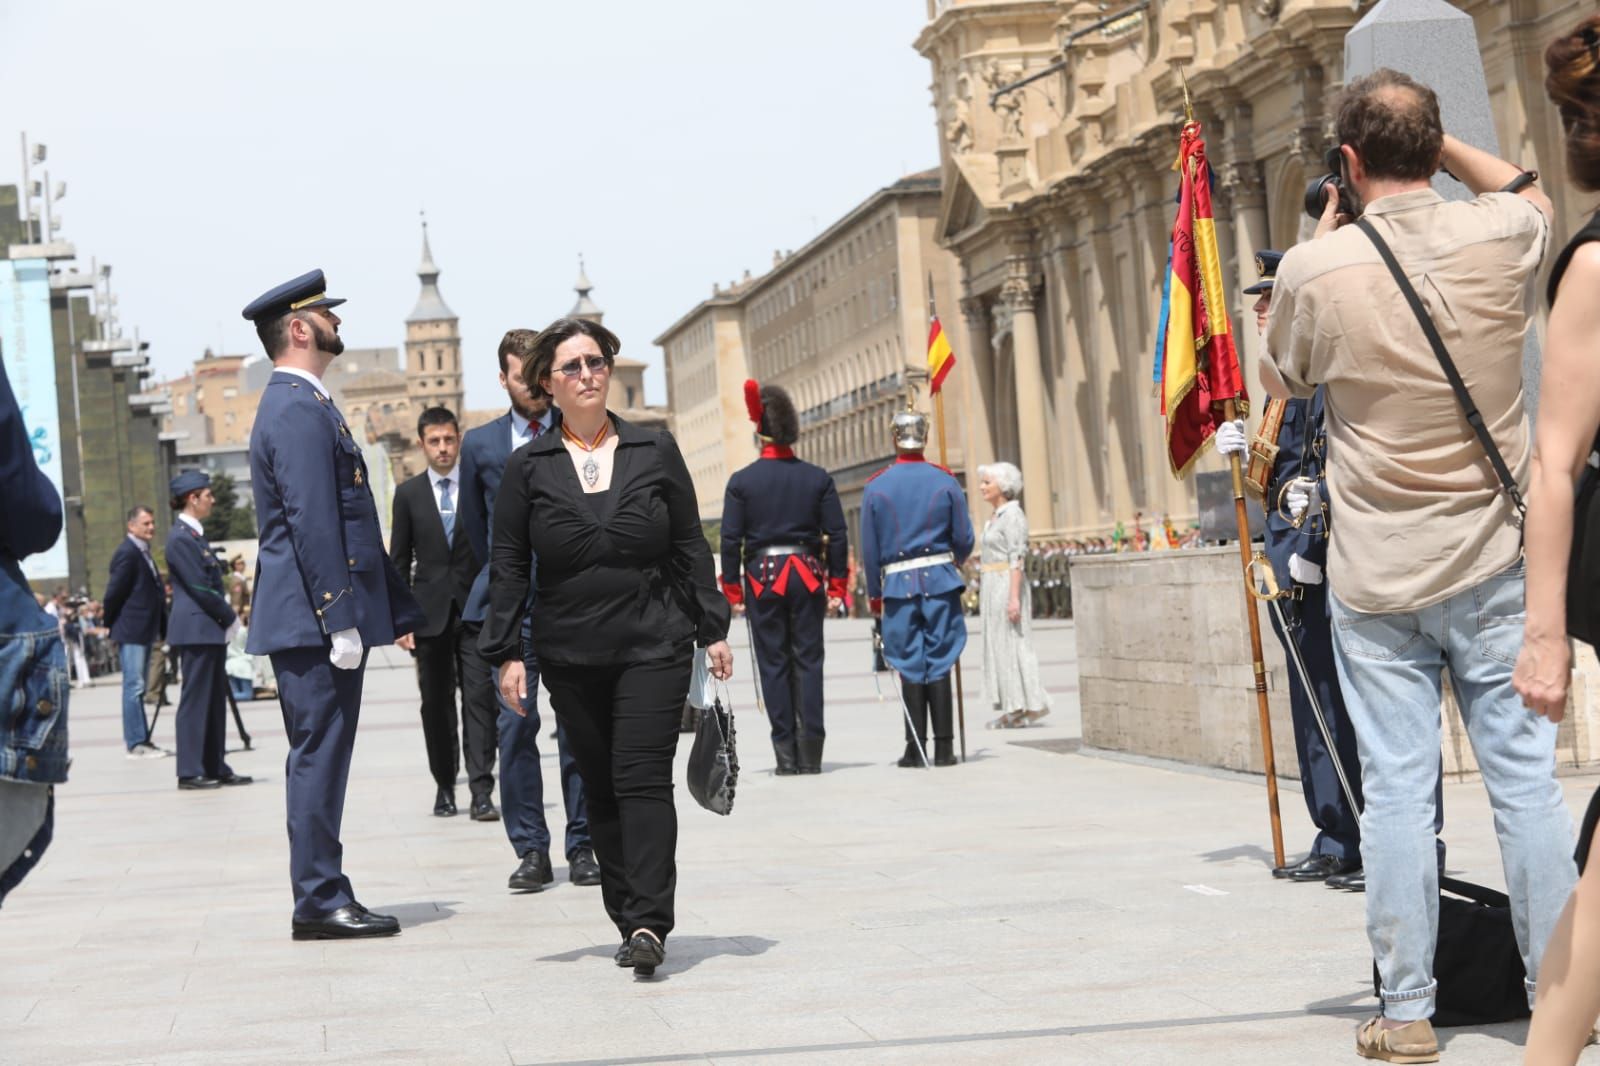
(305,374)
(434,477)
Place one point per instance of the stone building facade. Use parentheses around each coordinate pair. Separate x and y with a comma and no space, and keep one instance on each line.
(1058,203)
(842,324)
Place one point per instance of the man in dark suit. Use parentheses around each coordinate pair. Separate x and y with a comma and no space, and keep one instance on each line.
(325,592)
(434,554)
(202,624)
(484,453)
(136,613)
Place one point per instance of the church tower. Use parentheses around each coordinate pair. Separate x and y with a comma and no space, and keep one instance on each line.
(585,308)
(433,343)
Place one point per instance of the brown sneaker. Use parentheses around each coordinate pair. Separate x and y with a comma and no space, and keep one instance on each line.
(1412,1042)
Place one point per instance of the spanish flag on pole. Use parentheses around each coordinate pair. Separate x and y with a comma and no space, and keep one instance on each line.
(941,360)
(1197,366)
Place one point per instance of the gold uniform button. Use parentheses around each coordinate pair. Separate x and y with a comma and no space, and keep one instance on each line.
(45,706)
(33,762)
(352,562)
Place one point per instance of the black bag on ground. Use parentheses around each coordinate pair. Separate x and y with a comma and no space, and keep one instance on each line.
(1476,962)
(714,761)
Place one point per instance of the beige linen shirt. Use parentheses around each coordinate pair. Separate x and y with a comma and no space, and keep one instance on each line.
(1418,513)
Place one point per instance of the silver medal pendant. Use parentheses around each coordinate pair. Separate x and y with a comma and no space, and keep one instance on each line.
(591,472)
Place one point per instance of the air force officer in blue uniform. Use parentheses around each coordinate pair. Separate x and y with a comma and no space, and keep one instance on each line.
(325,592)
(915,534)
(202,623)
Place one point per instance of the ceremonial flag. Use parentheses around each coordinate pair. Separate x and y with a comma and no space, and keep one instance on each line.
(1197,366)
(941,360)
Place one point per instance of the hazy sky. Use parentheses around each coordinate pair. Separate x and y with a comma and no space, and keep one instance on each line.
(214,149)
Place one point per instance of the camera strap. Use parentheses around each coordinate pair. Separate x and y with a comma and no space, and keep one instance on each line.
(1459,387)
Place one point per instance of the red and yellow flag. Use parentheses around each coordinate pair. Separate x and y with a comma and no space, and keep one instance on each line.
(941,360)
(1196,364)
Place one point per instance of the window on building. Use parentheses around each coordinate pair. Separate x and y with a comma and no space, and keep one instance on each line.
(229,392)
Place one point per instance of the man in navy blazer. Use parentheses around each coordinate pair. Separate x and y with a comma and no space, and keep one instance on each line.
(484,453)
(325,592)
(201,625)
(136,612)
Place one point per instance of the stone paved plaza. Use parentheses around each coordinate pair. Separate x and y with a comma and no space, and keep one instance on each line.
(1034,905)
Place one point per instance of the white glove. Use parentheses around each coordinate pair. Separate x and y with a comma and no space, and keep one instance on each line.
(233,631)
(1298,497)
(346,650)
(1231,439)
(1306,573)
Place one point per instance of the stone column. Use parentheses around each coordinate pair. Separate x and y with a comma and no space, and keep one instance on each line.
(1017,292)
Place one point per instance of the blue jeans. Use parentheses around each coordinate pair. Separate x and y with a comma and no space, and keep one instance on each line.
(135,658)
(1391,667)
(242,688)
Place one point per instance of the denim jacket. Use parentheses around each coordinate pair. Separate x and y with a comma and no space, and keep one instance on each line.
(33,732)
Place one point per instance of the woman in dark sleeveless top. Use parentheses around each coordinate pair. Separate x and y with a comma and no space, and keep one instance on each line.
(1568,998)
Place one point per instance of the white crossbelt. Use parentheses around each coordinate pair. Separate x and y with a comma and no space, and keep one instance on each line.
(920,563)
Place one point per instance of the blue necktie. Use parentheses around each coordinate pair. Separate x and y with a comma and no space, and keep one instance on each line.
(447,509)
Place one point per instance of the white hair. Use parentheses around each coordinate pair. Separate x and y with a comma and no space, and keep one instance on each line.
(1005,475)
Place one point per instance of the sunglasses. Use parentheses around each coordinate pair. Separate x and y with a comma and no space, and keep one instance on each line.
(596,363)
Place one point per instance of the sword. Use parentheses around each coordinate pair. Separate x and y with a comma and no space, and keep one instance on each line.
(1316,705)
(877,641)
(755,666)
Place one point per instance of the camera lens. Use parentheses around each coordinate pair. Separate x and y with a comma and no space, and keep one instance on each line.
(1314,195)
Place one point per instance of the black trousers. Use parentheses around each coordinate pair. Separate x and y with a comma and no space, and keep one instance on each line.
(480,712)
(441,674)
(787,634)
(202,711)
(621,723)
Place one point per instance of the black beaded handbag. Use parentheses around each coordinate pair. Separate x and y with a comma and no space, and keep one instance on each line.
(714,759)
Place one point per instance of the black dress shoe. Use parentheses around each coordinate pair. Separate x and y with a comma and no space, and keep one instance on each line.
(444,803)
(624,956)
(533,873)
(912,758)
(235,779)
(198,782)
(1321,867)
(483,810)
(646,953)
(1354,881)
(582,869)
(787,760)
(944,753)
(347,923)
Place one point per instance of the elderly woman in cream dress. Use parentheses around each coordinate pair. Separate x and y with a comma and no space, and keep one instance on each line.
(1010,668)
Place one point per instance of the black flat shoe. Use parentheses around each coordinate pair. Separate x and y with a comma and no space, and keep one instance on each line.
(1354,881)
(1322,867)
(350,922)
(483,810)
(235,779)
(533,874)
(188,783)
(646,953)
(582,868)
(444,803)
(624,956)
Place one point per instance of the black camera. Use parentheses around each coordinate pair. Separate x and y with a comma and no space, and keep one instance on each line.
(1314,195)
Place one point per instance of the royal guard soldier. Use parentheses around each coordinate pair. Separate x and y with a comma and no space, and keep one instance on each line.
(915,536)
(780,518)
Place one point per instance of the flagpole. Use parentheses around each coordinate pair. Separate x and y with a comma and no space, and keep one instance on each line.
(938,409)
(1257,661)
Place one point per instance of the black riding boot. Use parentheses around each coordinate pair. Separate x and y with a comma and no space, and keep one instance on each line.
(788,764)
(940,697)
(810,752)
(916,699)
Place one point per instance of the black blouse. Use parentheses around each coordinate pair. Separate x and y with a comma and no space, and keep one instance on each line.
(1590,232)
(626,580)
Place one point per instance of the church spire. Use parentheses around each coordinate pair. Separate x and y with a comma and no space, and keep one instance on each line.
(585,308)
(430,305)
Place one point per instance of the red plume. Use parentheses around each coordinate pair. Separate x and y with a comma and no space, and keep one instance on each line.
(752,400)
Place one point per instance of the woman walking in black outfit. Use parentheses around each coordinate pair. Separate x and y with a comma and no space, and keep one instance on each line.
(624,591)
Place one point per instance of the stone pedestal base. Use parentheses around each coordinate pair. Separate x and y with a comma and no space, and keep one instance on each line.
(1164,668)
